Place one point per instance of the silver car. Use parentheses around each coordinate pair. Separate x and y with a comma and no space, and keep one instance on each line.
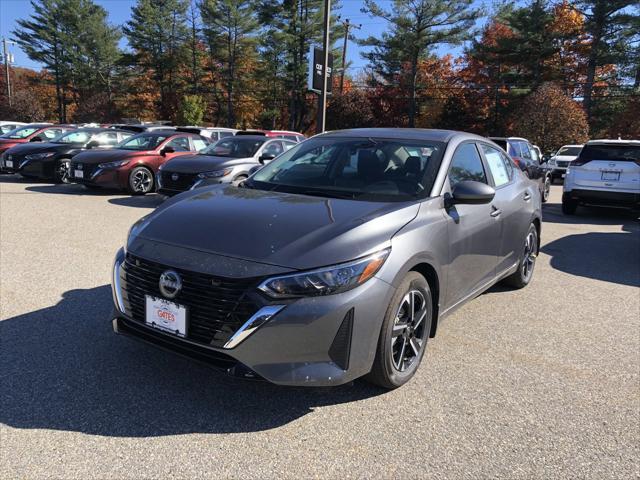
(337,260)
(230,160)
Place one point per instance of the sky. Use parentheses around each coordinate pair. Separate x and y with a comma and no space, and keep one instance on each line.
(120,10)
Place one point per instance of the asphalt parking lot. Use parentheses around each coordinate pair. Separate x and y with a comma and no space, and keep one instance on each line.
(538,383)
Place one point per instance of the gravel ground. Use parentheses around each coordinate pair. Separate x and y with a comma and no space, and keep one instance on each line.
(537,383)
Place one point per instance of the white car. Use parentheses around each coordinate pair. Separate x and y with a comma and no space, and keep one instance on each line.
(7,126)
(560,161)
(606,172)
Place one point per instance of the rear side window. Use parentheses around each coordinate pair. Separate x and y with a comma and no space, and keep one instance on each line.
(496,164)
(466,165)
(180,144)
(514,149)
(619,153)
(524,148)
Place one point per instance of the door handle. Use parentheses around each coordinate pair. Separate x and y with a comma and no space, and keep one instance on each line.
(495,212)
(527,196)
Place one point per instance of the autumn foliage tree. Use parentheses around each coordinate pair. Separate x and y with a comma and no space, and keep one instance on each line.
(549,118)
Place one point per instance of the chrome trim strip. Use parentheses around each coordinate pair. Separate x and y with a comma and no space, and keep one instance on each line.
(261,317)
(117,291)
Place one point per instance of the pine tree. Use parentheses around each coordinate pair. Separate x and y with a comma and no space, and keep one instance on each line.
(416,27)
(157,32)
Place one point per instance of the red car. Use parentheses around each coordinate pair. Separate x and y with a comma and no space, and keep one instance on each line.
(132,165)
(31,133)
(295,136)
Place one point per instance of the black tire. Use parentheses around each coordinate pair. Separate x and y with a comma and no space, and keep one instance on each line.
(546,189)
(390,368)
(141,181)
(569,206)
(61,171)
(523,275)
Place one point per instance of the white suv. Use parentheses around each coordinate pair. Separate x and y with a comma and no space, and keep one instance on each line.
(607,172)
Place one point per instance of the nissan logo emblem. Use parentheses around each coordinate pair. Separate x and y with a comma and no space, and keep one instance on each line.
(170,284)
(175,177)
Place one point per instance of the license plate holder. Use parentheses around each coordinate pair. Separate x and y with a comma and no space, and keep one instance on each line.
(609,176)
(166,315)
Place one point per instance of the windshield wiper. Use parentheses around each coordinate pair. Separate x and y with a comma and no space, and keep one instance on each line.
(332,194)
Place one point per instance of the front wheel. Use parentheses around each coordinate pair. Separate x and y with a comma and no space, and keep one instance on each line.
(546,189)
(140,181)
(61,172)
(404,334)
(521,277)
(239,179)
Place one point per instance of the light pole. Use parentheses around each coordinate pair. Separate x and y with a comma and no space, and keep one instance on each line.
(347,26)
(7,60)
(322,114)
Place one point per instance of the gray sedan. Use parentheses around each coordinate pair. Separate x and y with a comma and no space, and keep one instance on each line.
(229,160)
(339,259)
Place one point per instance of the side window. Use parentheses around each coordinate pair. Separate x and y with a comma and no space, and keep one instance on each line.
(225,134)
(509,164)
(180,144)
(466,165)
(124,136)
(514,149)
(289,145)
(52,132)
(496,164)
(107,138)
(274,149)
(199,144)
(535,156)
(526,153)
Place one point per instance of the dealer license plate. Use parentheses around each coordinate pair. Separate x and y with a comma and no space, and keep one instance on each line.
(165,315)
(78,173)
(611,176)
(8,163)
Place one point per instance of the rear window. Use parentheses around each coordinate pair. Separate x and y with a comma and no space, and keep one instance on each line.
(574,151)
(617,153)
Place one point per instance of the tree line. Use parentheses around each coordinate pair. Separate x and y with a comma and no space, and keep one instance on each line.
(243,63)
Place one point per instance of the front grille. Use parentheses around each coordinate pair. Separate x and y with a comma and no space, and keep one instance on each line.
(216,306)
(562,163)
(183,182)
(87,168)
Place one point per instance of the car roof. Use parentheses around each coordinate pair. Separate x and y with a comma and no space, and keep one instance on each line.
(433,135)
(613,142)
(508,138)
(253,137)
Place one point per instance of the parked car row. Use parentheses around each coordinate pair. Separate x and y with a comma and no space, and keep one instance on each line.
(129,157)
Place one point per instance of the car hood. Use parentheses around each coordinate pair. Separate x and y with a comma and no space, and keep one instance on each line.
(110,155)
(202,163)
(287,230)
(32,147)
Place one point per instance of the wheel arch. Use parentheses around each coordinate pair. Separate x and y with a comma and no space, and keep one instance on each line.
(431,275)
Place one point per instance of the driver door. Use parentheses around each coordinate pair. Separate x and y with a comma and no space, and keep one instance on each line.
(473,230)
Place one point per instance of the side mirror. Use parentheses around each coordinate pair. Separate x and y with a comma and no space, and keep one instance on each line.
(471,192)
(266,158)
(166,150)
(93,144)
(37,138)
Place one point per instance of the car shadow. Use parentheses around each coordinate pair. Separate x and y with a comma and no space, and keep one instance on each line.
(552,213)
(140,201)
(64,369)
(70,189)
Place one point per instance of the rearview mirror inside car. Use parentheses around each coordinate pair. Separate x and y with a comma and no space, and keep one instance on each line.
(471,193)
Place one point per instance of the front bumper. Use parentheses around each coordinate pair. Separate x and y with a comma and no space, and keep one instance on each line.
(98,177)
(318,341)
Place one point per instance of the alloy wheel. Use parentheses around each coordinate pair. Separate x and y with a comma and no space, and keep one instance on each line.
(142,181)
(547,189)
(408,334)
(62,171)
(530,254)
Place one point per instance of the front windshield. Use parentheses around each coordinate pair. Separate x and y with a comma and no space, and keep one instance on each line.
(22,132)
(236,147)
(358,168)
(569,151)
(143,141)
(77,136)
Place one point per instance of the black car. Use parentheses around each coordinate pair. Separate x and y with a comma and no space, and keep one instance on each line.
(529,161)
(50,161)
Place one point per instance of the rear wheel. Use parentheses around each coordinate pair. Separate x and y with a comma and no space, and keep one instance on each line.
(521,277)
(569,205)
(404,334)
(140,181)
(61,171)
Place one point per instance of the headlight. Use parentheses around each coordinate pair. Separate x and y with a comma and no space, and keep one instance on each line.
(119,163)
(39,156)
(215,174)
(325,281)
